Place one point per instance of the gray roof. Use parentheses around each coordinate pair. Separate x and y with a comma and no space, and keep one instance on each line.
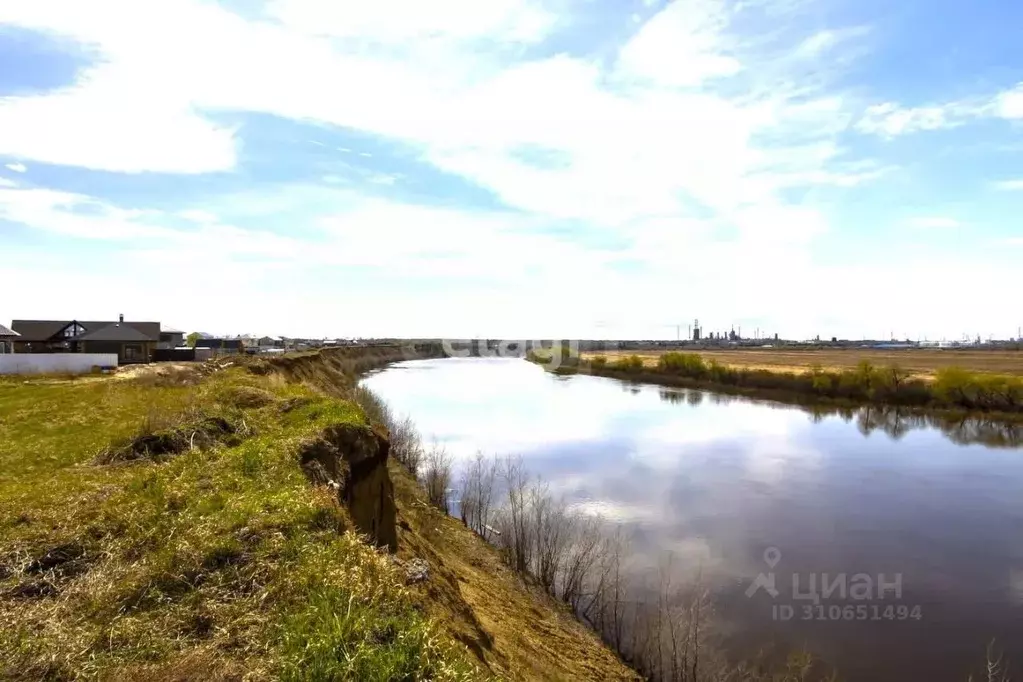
(169,330)
(7,333)
(44,330)
(113,332)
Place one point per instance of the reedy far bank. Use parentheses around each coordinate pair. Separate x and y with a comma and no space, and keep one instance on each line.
(953,388)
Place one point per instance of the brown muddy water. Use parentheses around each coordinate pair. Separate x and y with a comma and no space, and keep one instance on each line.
(891,546)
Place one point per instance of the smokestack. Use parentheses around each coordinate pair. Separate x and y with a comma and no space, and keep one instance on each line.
(120,319)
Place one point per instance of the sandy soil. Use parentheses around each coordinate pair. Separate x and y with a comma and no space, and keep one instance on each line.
(160,369)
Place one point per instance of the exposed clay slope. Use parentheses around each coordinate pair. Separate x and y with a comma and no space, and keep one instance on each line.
(352,459)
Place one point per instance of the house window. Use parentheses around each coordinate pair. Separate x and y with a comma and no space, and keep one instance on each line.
(132,351)
(73,330)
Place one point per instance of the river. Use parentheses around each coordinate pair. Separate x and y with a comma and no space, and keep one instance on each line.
(750,495)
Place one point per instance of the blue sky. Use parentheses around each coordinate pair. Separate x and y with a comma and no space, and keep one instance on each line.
(514,169)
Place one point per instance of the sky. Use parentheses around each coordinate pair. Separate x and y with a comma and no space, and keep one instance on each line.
(517,170)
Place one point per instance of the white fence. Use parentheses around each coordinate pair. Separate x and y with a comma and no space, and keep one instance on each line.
(55,363)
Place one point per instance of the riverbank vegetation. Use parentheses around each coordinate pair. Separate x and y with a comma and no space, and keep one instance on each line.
(138,541)
(952,388)
(160,525)
(919,363)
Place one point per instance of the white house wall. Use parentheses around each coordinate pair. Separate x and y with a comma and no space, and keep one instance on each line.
(55,363)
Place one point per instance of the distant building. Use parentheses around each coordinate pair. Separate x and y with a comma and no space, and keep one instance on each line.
(132,342)
(222,346)
(170,338)
(7,338)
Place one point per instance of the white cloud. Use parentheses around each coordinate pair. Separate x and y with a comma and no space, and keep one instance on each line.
(684,44)
(4,182)
(684,149)
(934,222)
(17,167)
(197,215)
(827,40)
(113,119)
(468,114)
(1009,185)
(890,119)
(1009,104)
(398,21)
(458,265)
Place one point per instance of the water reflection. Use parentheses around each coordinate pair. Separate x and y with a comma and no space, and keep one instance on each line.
(895,422)
(715,479)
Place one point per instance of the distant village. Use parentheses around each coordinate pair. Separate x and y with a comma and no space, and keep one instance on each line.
(39,346)
(34,346)
(252,344)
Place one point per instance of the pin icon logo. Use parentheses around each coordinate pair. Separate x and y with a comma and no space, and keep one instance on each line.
(772,555)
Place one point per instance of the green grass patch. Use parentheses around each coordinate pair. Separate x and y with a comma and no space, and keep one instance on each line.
(215,559)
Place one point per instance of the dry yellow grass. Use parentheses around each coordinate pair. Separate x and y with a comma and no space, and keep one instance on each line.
(921,363)
(515,631)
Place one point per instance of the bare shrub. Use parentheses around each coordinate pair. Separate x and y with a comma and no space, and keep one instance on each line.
(552,527)
(514,524)
(581,556)
(373,406)
(658,624)
(407,445)
(437,477)
(995,669)
(477,495)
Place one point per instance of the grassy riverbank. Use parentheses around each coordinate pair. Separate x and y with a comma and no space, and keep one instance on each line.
(949,388)
(161,527)
(221,561)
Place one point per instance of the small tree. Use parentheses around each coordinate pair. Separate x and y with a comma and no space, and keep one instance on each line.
(436,477)
(192,339)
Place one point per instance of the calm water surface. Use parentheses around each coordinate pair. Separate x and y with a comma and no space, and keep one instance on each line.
(717,481)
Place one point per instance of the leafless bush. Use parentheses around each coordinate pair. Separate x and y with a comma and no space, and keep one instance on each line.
(610,589)
(552,528)
(668,636)
(373,406)
(995,669)
(584,549)
(477,495)
(514,521)
(407,445)
(658,626)
(437,477)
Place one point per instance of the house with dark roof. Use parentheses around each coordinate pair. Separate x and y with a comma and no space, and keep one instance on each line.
(170,337)
(222,346)
(7,338)
(133,342)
